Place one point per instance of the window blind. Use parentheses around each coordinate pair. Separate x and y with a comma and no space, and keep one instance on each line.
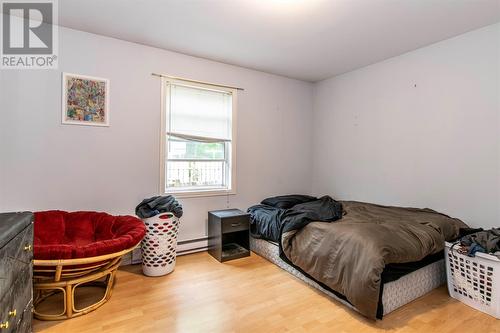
(200,115)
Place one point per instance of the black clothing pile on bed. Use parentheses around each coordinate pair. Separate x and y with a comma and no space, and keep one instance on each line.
(290,212)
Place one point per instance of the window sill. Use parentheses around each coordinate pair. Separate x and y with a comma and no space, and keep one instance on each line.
(199,194)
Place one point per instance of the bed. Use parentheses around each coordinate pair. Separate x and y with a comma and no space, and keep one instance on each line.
(371,258)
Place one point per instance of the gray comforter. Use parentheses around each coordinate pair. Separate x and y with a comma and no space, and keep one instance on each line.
(349,255)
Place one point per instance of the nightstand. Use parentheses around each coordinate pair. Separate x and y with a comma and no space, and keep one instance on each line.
(228,234)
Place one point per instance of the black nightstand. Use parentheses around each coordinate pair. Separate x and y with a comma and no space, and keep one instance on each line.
(228,234)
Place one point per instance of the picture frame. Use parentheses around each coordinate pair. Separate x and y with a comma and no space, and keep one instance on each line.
(85,100)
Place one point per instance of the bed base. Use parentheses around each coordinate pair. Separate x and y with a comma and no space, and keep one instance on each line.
(395,294)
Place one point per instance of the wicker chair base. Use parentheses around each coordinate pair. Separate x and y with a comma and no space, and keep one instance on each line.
(55,276)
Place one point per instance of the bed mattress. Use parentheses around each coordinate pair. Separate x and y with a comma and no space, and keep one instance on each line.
(395,294)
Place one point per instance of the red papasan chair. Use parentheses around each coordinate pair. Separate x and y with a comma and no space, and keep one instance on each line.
(79,249)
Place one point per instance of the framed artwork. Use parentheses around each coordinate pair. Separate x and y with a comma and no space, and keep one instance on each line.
(85,100)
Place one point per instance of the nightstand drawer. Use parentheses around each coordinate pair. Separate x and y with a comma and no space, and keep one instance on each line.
(233,224)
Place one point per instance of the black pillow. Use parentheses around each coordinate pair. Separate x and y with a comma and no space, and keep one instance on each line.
(287,201)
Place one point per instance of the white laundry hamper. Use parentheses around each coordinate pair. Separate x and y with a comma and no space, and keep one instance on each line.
(159,246)
(474,281)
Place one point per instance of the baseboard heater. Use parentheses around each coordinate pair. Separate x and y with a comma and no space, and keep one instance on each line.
(192,246)
(183,247)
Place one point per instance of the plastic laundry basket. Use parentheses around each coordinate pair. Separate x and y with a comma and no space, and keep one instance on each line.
(474,281)
(159,246)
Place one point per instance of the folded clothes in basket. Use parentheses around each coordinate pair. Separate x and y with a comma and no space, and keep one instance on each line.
(487,241)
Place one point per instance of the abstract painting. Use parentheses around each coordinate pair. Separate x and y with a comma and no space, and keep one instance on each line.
(85,100)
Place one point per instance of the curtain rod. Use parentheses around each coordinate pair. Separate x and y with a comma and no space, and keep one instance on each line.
(195,81)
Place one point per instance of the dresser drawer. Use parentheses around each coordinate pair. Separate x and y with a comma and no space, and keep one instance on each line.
(232,224)
(24,324)
(15,256)
(16,301)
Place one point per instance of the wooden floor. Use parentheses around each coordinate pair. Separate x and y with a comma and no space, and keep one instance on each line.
(253,295)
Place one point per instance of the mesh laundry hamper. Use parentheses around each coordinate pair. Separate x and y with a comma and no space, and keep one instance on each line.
(474,281)
(159,247)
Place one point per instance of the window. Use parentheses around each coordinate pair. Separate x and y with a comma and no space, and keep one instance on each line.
(197,139)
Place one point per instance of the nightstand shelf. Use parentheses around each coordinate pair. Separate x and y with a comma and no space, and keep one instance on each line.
(228,234)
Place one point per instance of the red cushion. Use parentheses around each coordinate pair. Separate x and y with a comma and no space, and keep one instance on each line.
(64,235)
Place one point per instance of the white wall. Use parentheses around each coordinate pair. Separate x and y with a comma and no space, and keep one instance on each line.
(421,129)
(46,165)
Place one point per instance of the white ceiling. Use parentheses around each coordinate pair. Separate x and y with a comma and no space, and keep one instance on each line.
(305,39)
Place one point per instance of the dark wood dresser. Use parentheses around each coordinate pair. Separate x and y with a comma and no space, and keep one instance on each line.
(228,234)
(16,272)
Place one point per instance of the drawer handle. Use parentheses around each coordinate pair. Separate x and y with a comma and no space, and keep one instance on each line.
(28,247)
(13,313)
(234,224)
(4,325)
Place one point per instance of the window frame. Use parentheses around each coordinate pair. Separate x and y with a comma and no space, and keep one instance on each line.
(231,160)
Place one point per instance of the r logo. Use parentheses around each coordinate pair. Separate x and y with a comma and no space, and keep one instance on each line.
(27,28)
